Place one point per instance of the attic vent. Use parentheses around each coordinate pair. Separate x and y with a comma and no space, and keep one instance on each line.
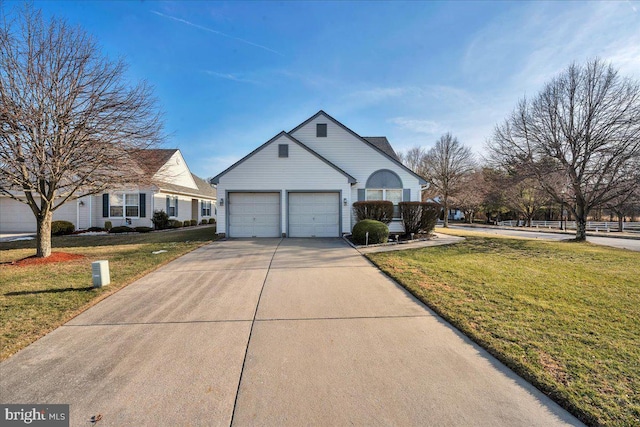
(283,150)
(321,130)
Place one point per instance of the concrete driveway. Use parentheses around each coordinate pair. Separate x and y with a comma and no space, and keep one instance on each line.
(270,332)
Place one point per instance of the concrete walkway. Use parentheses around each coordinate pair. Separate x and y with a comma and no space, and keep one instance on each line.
(270,332)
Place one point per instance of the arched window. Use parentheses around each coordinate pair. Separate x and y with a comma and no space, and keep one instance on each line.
(385,185)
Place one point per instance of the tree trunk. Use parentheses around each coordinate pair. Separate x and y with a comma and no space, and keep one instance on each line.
(446,213)
(43,236)
(581,223)
(620,218)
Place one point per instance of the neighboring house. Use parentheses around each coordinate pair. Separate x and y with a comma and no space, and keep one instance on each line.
(169,186)
(302,183)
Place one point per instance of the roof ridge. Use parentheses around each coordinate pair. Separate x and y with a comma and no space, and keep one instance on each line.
(361,138)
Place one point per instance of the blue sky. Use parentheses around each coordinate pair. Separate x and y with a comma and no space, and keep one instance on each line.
(231,75)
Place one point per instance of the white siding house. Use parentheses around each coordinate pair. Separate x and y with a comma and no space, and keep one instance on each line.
(171,187)
(303,183)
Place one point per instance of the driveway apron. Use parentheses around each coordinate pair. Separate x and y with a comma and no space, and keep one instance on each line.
(271,332)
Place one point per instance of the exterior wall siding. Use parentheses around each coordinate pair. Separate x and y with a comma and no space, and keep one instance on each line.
(352,155)
(355,157)
(176,171)
(18,217)
(265,171)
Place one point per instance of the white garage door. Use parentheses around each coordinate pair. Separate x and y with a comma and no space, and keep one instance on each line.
(314,214)
(254,214)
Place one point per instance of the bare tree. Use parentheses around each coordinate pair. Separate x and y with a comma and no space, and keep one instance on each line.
(445,166)
(494,203)
(68,118)
(624,205)
(522,193)
(584,127)
(471,197)
(413,158)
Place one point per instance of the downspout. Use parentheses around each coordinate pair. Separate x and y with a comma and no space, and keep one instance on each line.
(153,204)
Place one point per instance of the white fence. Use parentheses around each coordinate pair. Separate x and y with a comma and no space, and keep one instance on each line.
(571,225)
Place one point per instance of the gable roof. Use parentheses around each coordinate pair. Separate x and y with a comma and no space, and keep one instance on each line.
(204,187)
(216,178)
(382,144)
(152,159)
(204,190)
(394,159)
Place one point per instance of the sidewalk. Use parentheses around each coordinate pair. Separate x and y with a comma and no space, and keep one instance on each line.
(612,234)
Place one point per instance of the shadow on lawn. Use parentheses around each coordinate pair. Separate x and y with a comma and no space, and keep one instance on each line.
(48,291)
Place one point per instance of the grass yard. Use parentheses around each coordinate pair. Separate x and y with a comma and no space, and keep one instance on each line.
(565,316)
(35,299)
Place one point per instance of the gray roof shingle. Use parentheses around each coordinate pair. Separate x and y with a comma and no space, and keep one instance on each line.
(382,144)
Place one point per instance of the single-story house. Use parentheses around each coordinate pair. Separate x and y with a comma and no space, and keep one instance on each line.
(169,186)
(302,183)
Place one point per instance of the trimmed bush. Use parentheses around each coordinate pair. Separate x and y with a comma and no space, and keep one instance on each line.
(378,232)
(95,229)
(211,220)
(108,225)
(378,210)
(430,214)
(204,222)
(143,229)
(419,216)
(60,228)
(121,229)
(174,223)
(160,220)
(194,222)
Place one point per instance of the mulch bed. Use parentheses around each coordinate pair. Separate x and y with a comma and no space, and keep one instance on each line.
(53,258)
(401,238)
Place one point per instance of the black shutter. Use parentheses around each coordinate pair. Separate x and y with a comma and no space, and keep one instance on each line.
(361,194)
(143,205)
(167,205)
(105,205)
(176,200)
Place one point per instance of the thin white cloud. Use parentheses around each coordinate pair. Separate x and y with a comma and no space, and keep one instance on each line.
(229,76)
(528,47)
(428,127)
(220,33)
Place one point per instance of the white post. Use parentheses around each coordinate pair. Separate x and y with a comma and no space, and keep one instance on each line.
(100,273)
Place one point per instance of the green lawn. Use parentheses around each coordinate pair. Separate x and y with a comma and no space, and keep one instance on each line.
(565,316)
(37,299)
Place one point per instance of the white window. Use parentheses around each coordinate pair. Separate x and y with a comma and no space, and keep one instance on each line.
(124,205)
(392,195)
(206,208)
(172,204)
(132,205)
